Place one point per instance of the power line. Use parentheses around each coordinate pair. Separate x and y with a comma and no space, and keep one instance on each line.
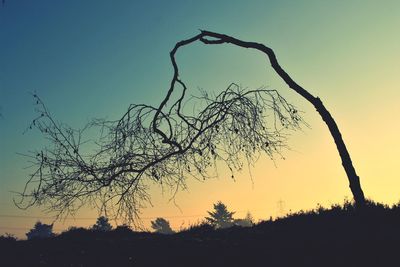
(25,228)
(41,217)
(93,218)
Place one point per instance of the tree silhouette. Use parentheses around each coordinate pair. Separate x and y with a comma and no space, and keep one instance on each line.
(161,225)
(102,224)
(220,217)
(7,237)
(40,230)
(168,145)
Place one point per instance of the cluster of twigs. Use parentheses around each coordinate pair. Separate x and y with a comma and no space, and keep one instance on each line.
(231,127)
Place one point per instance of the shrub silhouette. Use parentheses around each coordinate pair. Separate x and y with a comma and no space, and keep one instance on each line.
(40,230)
(200,228)
(247,221)
(161,225)
(123,228)
(102,224)
(7,237)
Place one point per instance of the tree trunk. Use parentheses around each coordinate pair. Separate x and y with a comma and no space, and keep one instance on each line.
(354,180)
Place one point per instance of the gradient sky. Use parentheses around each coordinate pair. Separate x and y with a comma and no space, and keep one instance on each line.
(89,59)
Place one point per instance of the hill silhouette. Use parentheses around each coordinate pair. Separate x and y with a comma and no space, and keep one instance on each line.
(338,236)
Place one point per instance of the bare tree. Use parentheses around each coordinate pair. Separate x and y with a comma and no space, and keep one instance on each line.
(167,144)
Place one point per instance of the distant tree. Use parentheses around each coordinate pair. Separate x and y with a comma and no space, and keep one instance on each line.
(102,224)
(167,143)
(247,221)
(123,227)
(7,237)
(220,217)
(40,230)
(161,225)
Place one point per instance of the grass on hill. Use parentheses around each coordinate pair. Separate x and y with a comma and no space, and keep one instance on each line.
(335,236)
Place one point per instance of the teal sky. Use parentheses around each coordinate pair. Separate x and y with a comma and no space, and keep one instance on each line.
(89,59)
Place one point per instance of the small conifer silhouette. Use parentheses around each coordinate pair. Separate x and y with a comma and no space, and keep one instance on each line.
(220,217)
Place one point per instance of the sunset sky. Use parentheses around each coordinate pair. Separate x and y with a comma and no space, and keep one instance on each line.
(91,59)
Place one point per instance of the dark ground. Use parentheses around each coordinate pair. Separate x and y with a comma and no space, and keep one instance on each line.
(339,236)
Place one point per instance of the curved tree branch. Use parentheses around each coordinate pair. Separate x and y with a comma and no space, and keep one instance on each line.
(212,38)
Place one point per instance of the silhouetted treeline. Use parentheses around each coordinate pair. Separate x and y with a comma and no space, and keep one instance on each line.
(338,236)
